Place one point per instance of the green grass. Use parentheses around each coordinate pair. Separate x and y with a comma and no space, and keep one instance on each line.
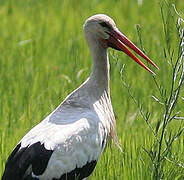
(37,74)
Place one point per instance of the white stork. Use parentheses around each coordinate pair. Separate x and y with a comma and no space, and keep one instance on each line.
(67,144)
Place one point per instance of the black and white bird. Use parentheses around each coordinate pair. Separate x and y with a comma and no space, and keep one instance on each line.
(67,144)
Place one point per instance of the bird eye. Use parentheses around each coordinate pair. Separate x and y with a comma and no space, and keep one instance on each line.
(104,24)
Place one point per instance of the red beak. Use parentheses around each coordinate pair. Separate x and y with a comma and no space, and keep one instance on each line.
(117,41)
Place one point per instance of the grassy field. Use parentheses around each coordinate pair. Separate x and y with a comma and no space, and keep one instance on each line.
(44,56)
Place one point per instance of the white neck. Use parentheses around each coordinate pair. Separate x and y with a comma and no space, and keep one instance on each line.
(100,73)
(98,83)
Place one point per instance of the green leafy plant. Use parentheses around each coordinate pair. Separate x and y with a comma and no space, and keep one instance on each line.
(167,98)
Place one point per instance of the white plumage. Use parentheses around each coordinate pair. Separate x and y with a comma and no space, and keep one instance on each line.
(67,144)
(75,133)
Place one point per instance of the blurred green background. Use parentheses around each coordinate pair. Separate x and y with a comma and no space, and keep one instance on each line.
(44,56)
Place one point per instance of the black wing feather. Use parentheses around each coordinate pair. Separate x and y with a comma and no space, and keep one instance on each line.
(21,159)
(79,173)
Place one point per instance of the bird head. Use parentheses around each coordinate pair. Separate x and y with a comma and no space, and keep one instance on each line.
(103,29)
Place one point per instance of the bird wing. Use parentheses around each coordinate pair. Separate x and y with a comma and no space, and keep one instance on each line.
(64,144)
(21,158)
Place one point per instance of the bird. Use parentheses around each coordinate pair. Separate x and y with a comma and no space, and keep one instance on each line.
(67,144)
